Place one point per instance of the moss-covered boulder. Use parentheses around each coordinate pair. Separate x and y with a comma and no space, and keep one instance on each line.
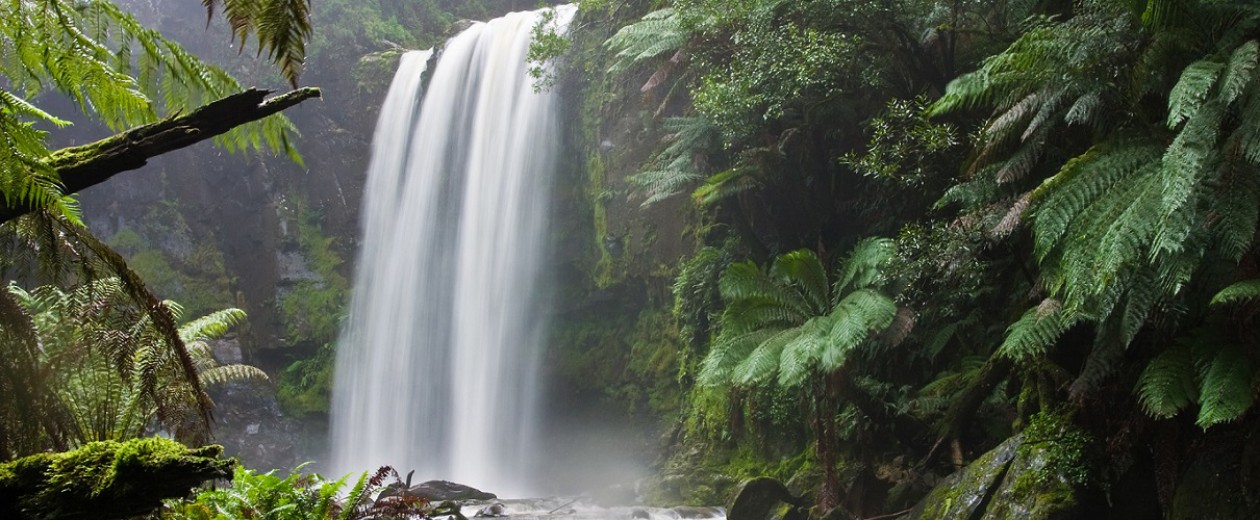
(960,495)
(1040,474)
(764,498)
(106,480)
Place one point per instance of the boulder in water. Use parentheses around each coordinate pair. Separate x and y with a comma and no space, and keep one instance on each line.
(764,498)
(438,491)
(492,511)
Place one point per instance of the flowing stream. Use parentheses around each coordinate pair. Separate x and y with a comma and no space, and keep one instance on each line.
(437,366)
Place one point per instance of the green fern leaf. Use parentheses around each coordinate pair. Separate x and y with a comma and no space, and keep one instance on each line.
(1227,389)
(225,374)
(1192,90)
(862,268)
(1240,72)
(1239,292)
(1167,385)
(1037,330)
(804,272)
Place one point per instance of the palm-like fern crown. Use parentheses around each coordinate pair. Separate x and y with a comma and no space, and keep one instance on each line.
(791,322)
(1122,229)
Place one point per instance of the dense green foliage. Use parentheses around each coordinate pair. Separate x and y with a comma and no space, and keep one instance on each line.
(1089,245)
(103,370)
(295,497)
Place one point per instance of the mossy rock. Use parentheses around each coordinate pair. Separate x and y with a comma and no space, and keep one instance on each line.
(1036,475)
(106,480)
(1030,492)
(764,498)
(962,493)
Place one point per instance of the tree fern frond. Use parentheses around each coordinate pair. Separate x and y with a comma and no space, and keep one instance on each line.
(804,352)
(858,315)
(1167,385)
(1192,90)
(211,326)
(1062,198)
(282,27)
(1227,390)
(862,268)
(1239,72)
(1084,108)
(225,374)
(1238,292)
(726,354)
(1037,330)
(726,184)
(804,272)
(762,364)
(751,313)
(657,33)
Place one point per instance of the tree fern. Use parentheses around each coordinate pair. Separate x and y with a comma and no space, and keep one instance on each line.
(657,33)
(792,322)
(678,166)
(1037,330)
(803,272)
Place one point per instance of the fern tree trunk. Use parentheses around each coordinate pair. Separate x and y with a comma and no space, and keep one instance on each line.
(826,449)
(80,167)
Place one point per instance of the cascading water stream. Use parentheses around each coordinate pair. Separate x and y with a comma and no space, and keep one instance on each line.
(436,367)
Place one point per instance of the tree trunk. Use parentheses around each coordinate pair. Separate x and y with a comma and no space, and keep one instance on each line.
(80,167)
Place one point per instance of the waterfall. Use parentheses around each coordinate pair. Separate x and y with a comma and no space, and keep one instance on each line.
(437,365)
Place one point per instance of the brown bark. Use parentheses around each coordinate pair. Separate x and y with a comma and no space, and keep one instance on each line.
(84,166)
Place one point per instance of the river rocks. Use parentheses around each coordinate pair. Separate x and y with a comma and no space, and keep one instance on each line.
(438,491)
(1021,478)
(764,498)
(693,512)
(494,510)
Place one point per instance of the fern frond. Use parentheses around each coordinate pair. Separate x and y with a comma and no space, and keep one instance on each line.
(1063,198)
(211,326)
(657,33)
(802,354)
(1228,388)
(1238,292)
(225,374)
(1037,330)
(802,271)
(762,364)
(726,184)
(857,316)
(862,268)
(1192,90)
(726,353)
(1239,72)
